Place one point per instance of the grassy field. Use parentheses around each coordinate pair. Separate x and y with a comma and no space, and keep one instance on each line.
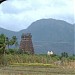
(36,65)
(36,69)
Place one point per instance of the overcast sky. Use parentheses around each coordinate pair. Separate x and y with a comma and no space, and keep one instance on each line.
(16,15)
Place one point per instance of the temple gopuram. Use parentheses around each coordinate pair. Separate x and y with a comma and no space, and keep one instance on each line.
(26,45)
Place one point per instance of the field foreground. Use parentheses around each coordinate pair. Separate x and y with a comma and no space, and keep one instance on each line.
(33,69)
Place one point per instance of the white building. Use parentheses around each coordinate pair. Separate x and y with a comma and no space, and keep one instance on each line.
(50,53)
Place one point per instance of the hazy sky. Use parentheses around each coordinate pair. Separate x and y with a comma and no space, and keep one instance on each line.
(16,15)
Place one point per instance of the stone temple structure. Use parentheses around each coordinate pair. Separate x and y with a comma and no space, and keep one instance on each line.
(26,45)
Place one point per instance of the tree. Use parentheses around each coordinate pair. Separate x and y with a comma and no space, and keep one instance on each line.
(7,42)
(2,43)
(14,38)
(64,54)
(14,42)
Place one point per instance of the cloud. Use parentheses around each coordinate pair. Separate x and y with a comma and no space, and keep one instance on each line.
(19,14)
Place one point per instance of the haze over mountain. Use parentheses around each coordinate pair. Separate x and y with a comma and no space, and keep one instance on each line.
(48,34)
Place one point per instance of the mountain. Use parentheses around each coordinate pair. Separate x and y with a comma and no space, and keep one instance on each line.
(52,30)
(49,34)
(7,32)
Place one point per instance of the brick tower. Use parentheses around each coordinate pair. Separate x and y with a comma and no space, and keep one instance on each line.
(26,45)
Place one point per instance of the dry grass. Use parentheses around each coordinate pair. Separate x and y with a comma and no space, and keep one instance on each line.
(37,70)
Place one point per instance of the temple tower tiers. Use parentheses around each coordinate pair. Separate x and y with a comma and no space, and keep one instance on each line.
(26,44)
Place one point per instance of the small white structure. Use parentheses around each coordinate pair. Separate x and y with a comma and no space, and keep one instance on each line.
(50,53)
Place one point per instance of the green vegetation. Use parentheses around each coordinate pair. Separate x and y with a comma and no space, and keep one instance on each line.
(17,59)
(5,42)
(4,46)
